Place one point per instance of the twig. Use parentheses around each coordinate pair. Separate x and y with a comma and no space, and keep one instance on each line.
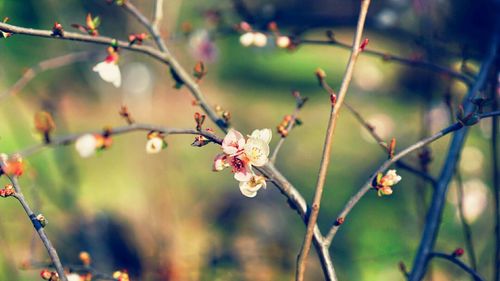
(496,177)
(163,57)
(383,145)
(68,139)
(38,227)
(42,66)
(388,57)
(325,160)
(438,198)
(465,225)
(457,262)
(368,185)
(274,155)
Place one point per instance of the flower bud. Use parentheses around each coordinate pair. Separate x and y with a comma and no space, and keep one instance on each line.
(458,252)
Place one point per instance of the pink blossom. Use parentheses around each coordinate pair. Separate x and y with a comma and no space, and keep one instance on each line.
(233,142)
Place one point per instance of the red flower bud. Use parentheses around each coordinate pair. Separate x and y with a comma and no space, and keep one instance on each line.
(458,252)
(364,44)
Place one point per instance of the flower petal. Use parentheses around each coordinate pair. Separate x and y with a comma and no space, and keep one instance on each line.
(109,72)
(264,134)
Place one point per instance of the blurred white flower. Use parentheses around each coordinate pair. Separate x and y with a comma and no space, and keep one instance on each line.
(202,47)
(86,145)
(109,72)
(154,145)
(260,39)
(73,277)
(283,42)
(246,39)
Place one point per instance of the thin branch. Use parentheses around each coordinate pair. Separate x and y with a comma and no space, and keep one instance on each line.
(392,58)
(325,160)
(68,139)
(383,145)
(54,257)
(354,200)
(163,57)
(469,245)
(458,263)
(42,66)
(274,154)
(438,198)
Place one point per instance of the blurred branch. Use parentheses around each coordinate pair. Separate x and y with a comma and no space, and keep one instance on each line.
(465,225)
(392,58)
(158,14)
(368,185)
(164,57)
(457,262)
(42,66)
(496,176)
(383,145)
(438,198)
(37,225)
(68,139)
(336,104)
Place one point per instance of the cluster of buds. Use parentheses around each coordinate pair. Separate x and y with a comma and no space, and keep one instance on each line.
(469,119)
(125,114)
(199,71)
(13,165)
(88,144)
(224,114)
(383,184)
(7,191)
(91,25)
(137,38)
(121,275)
(241,155)
(42,220)
(251,37)
(4,34)
(49,275)
(199,119)
(57,30)
(108,69)
(156,142)
(282,128)
(44,124)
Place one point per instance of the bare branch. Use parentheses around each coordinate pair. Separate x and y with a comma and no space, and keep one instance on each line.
(368,185)
(469,245)
(325,160)
(42,66)
(54,257)
(457,262)
(392,58)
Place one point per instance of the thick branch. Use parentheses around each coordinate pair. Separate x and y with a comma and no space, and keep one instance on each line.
(325,160)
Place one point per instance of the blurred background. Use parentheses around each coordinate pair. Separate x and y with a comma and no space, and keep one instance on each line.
(168,216)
